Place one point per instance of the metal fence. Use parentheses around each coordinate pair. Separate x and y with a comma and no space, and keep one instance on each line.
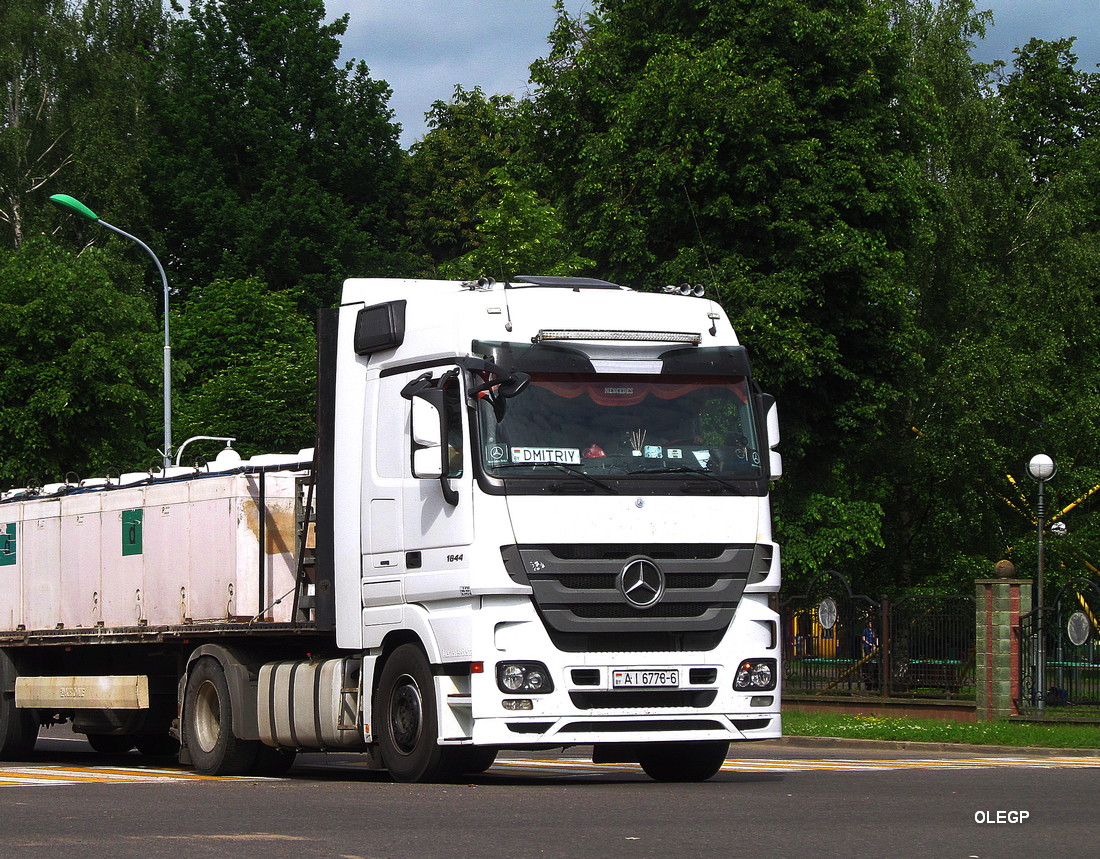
(1062,677)
(840,643)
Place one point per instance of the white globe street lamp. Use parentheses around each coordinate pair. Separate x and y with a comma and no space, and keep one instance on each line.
(1040,468)
(71,204)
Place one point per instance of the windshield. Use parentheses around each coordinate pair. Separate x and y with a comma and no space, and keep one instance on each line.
(618,425)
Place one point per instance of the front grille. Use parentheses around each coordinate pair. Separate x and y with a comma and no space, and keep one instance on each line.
(642,698)
(576,588)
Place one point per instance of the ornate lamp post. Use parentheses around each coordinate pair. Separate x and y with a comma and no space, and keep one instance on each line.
(1041,468)
(71,204)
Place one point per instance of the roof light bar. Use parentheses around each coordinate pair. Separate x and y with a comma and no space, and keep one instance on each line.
(646,336)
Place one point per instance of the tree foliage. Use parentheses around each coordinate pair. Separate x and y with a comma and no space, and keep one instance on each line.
(907,242)
(73,79)
(269,159)
(79,365)
(755,145)
(247,366)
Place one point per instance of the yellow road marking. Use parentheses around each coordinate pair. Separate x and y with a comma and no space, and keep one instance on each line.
(23,776)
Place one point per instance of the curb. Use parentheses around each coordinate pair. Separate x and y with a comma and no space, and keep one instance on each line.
(914,746)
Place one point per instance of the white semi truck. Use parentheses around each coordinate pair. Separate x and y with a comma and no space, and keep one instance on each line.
(536,516)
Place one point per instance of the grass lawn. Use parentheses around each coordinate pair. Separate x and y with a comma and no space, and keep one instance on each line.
(861,727)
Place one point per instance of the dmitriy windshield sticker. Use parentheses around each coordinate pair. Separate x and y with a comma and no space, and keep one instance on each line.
(674,453)
(546,454)
(652,451)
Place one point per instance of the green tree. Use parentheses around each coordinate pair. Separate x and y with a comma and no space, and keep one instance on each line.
(80,377)
(1051,105)
(270,159)
(247,367)
(519,234)
(72,83)
(449,180)
(757,146)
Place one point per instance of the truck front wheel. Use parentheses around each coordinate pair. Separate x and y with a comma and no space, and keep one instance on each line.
(18,727)
(405,719)
(696,761)
(208,723)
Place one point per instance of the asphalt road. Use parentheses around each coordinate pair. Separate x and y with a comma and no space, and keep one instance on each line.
(769,800)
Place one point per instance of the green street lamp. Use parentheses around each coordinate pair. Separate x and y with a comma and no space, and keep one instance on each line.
(71,204)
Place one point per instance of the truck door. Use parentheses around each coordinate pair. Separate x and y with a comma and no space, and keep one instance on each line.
(416,540)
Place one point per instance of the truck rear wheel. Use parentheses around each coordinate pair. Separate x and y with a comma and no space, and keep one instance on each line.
(696,761)
(208,723)
(18,727)
(405,717)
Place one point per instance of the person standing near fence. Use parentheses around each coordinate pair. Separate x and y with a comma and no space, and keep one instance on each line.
(870,639)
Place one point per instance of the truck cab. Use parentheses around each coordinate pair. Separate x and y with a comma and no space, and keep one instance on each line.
(549,522)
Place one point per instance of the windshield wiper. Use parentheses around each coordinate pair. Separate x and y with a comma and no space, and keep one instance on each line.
(569,469)
(683,469)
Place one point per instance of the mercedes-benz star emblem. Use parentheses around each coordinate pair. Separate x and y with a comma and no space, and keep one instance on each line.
(642,582)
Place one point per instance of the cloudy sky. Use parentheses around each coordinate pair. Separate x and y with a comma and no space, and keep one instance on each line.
(422,48)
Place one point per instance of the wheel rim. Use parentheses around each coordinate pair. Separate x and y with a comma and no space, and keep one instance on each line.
(406,714)
(207,720)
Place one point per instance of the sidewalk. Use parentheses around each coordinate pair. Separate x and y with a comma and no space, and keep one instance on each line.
(912,746)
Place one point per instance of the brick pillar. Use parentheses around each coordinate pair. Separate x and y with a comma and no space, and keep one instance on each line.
(999,604)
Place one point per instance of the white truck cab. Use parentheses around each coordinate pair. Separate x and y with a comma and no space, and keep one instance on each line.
(550,497)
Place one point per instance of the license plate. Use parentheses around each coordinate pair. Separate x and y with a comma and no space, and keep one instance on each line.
(647,677)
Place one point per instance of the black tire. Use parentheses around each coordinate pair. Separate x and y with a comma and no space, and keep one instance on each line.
(157,745)
(695,761)
(18,727)
(111,744)
(405,717)
(471,760)
(208,723)
(273,762)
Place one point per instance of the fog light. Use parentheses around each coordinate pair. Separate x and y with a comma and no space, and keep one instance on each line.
(755,674)
(524,677)
(518,704)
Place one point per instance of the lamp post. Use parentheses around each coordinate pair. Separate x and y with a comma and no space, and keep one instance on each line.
(1041,468)
(70,204)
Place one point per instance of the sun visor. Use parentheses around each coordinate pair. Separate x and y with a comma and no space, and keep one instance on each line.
(707,361)
(543,358)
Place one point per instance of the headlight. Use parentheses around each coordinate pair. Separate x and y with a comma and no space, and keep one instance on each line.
(755,675)
(523,677)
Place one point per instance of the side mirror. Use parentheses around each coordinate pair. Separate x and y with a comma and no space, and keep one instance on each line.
(426,421)
(427,433)
(775,458)
(427,463)
(429,429)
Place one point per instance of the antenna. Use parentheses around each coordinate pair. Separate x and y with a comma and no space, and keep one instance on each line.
(699,233)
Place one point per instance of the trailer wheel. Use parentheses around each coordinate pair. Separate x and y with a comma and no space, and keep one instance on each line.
(111,744)
(208,723)
(695,761)
(405,717)
(18,727)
